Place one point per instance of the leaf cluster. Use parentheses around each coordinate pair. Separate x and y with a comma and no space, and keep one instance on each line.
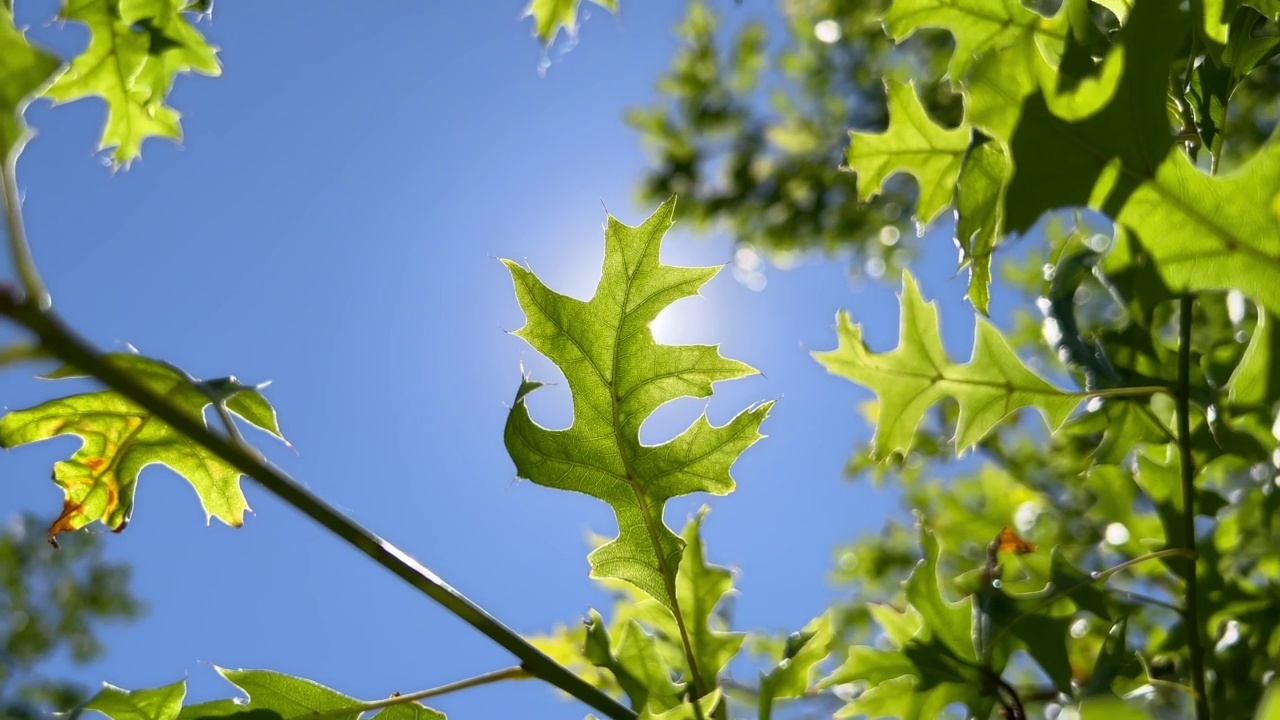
(1118,560)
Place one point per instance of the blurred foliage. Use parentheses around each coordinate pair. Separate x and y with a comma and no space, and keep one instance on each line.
(51,604)
(751,131)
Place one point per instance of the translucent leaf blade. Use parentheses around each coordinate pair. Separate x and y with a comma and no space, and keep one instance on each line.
(618,375)
(913,143)
(120,438)
(911,378)
(136,50)
(24,69)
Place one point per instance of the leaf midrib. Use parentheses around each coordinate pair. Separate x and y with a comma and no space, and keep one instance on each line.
(615,402)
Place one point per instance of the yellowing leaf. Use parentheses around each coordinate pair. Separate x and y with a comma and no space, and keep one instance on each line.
(121,438)
(916,374)
(619,375)
(914,144)
(136,49)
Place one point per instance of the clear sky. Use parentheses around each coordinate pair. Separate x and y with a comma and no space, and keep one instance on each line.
(330,223)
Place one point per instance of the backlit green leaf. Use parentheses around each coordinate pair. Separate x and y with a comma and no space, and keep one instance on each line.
(634,661)
(1200,232)
(618,375)
(162,703)
(699,588)
(121,438)
(276,696)
(550,16)
(935,667)
(136,49)
(977,25)
(24,68)
(271,696)
(1115,660)
(917,374)
(795,674)
(686,711)
(914,144)
(980,215)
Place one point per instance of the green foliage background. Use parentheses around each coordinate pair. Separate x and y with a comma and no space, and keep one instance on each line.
(1117,561)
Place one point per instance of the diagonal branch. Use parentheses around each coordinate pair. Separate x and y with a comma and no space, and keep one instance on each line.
(62,342)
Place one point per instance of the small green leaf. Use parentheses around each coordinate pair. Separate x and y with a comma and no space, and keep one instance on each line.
(276,696)
(550,16)
(162,703)
(252,407)
(24,69)
(917,374)
(700,588)
(1023,622)
(686,711)
(121,438)
(272,696)
(136,49)
(795,674)
(935,667)
(635,663)
(913,143)
(980,215)
(1256,379)
(1115,660)
(618,375)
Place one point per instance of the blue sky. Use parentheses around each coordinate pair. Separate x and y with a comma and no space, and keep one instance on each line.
(330,223)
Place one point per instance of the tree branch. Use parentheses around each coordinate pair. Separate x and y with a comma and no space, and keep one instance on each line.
(62,342)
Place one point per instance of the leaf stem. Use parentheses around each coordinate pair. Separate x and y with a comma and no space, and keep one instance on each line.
(515,672)
(1136,391)
(20,353)
(1099,576)
(61,341)
(1188,474)
(699,689)
(19,250)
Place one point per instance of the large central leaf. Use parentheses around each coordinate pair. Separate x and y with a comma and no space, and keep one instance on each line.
(619,375)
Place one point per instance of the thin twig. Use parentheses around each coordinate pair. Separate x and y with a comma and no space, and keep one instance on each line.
(19,250)
(1136,391)
(1188,475)
(61,341)
(1095,577)
(511,673)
